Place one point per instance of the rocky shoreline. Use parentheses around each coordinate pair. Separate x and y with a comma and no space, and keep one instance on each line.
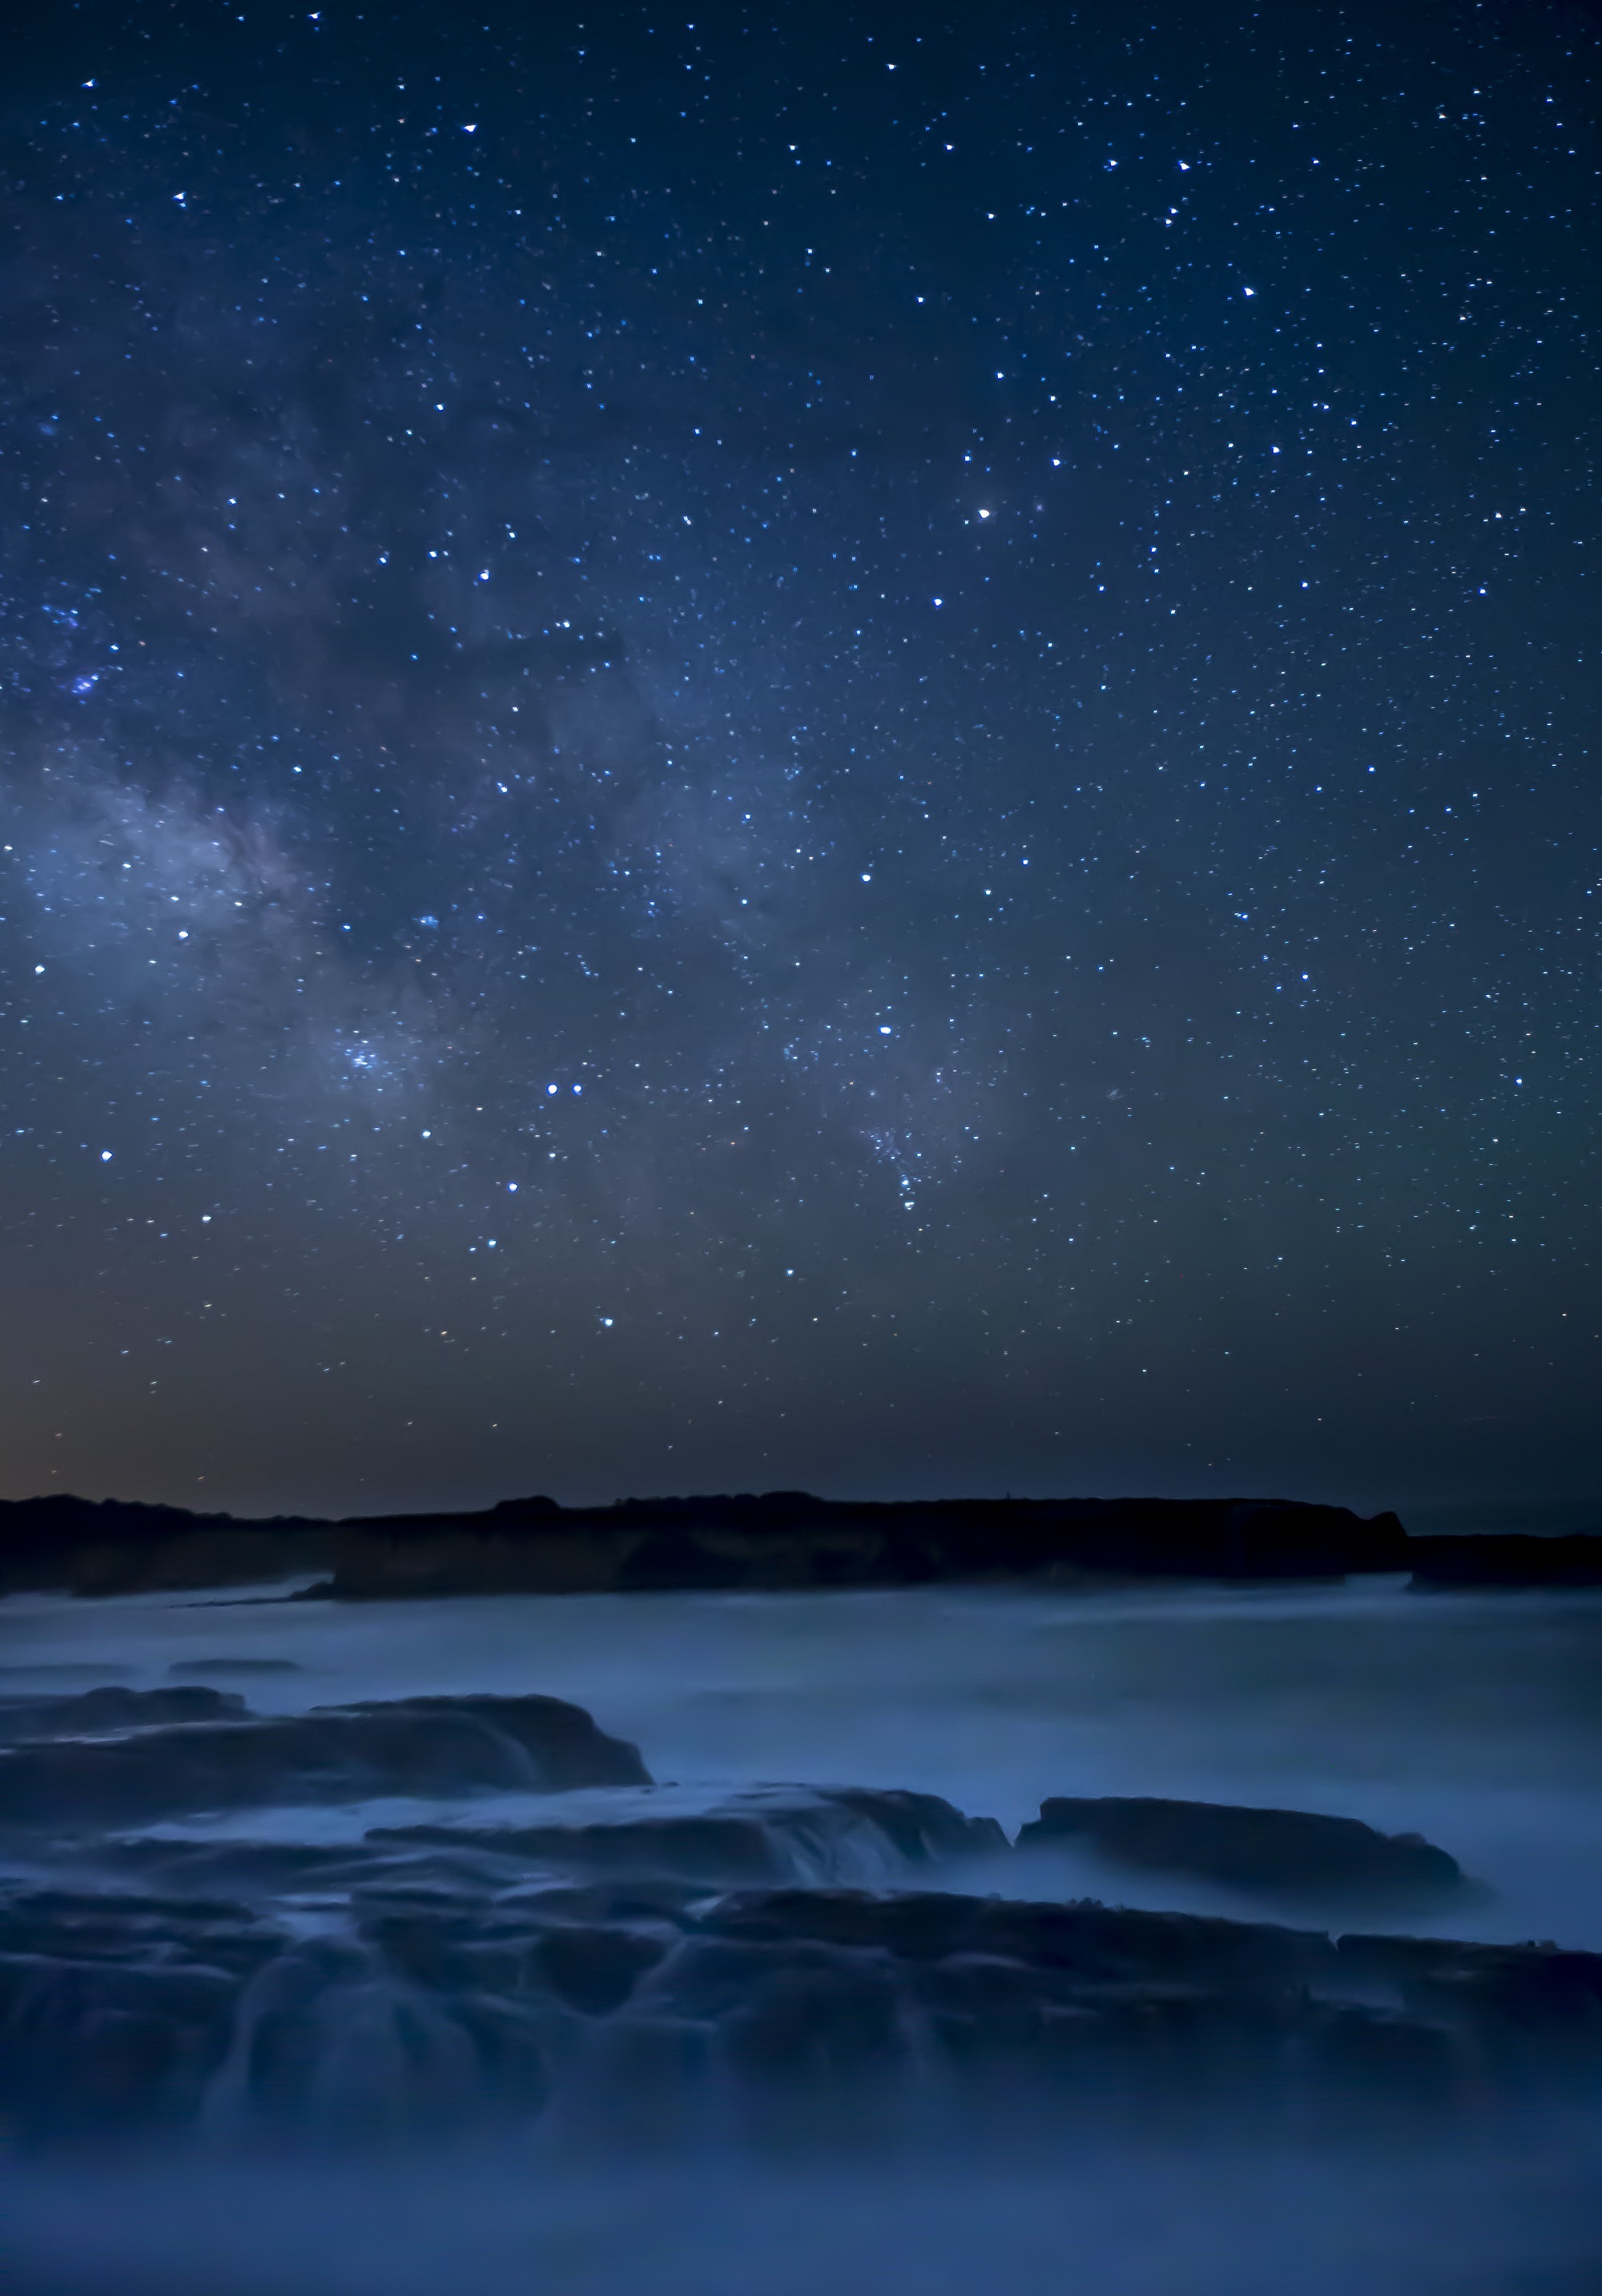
(566,1945)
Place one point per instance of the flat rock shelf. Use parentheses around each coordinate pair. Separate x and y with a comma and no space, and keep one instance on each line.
(218,1924)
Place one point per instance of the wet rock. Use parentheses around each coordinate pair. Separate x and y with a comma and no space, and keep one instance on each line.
(124,1926)
(408,1746)
(1096,1944)
(765,1835)
(808,2012)
(820,2004)
(191,1867)
(1533,2010)
(597,1969)
(108,2047)
(332,2043)
(788,2013)
(116,2011)
(800,2041)
(716,1848)
(1383,2067)
(1284,1852)
(643,1899)
(111,1709)
(922,1826)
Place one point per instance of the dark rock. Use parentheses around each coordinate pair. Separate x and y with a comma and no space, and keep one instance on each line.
(1165,2018)
(1535,2009)
(715,1849)
(108,2047)
(1285,1852)
(1385,2066)
(115,2011)
(774,1539)
(597,1969)
(765,1835)
(672,1559)
(799,2042)
(797,2011)
(793,2012)
(790,1539)
(251,1870)
(1096,1943)
(97,1713)
(820,2003)
(84,1926)
(121,1546)
(332,2044)
(406,1746)
(652,1902)
(240,1555)
(922,1826)
(1510,1560)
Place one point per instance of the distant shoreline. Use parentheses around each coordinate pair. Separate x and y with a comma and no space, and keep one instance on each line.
(773,1540)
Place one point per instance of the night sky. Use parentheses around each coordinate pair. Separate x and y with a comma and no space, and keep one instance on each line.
(797,745)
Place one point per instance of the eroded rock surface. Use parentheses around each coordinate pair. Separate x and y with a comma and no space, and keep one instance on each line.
(425,2009)
(1285,1853)
(557,1941)
(231,1759)
(772,1833)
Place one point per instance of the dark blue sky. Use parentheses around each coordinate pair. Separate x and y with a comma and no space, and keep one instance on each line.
(780,746)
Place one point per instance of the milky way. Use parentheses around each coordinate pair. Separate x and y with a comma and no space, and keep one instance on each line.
(760,749)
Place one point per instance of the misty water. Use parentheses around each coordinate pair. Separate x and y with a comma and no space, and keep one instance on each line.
(1474,1720)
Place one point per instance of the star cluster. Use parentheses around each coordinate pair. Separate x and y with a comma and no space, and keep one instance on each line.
(800,746)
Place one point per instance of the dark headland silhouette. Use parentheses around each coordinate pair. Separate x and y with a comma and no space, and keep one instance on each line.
(774,1539)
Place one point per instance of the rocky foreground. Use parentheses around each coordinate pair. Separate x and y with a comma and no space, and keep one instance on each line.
(563,1943)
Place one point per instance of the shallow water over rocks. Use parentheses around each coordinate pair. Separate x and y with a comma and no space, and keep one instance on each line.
(344,1923)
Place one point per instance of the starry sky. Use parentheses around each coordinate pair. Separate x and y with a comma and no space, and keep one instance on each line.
(796,745)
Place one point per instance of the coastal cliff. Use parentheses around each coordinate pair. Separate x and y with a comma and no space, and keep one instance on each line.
(777,1539)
